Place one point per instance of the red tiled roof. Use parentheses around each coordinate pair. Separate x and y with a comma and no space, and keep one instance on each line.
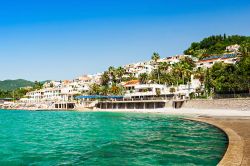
(132,82)
(209,60)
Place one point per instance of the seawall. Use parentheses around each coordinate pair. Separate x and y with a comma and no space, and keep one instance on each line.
(238,151)
(241,104)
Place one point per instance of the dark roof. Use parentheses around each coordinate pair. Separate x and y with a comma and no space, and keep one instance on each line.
(6,98)
(224,56)
(98,97)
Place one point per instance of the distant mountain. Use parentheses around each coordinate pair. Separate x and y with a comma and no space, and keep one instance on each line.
(43,82)
(14,84)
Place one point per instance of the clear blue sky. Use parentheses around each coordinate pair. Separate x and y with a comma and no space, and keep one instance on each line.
(62,39)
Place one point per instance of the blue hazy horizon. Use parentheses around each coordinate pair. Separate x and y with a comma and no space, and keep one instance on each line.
(62,39)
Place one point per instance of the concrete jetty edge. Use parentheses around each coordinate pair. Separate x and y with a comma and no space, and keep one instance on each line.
(235,150)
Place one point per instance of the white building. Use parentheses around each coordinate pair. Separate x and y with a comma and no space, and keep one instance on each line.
(142,91)
(138,68)
(52,84)
(50,94)
(55,91)
(233,48)
(185,90)
(177,58)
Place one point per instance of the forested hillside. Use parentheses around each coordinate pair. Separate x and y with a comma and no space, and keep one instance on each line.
(7,85)
(216,44)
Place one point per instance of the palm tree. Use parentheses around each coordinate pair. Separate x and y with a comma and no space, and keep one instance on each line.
(167,78)
(177,70)
(131,77)
(120,72)
(116,90)
(186,73)
(94,89)
(104,90)
(143,78)
(154,76)
(163,66)
(111,71)
(105,79)
(155,57)
(188,63)
(200,74)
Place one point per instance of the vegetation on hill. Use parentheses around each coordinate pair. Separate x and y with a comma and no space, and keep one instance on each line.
(15,94)
(17,88)
(9,85)
(110,82)
(175,74)
(215,45)
(180,73)
(221,78)
(229,78)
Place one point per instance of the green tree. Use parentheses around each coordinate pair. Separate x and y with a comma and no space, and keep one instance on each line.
(116,90)
(215,44)
(120,72)
(245,48)
(143,78)
(6,94)
(200,74)
(163,66)
(172,90)
(105,90)
(230,78)
(177,71)
(208,83)
(95,89)
(105,79)
(112,74)
(155,57)
(37,86)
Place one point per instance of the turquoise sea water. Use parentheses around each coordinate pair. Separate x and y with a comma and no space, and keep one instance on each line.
(106,139)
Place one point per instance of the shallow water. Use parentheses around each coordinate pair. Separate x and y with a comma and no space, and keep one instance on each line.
(98,138)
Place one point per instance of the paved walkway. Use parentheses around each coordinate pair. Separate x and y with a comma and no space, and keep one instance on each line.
(238,131)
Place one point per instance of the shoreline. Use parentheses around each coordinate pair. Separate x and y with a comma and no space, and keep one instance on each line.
(189,112)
